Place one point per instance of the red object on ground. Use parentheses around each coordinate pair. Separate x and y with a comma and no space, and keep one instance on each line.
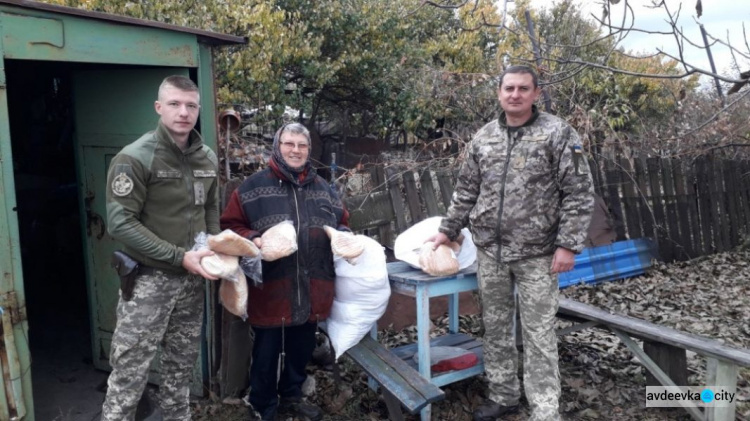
(455,363)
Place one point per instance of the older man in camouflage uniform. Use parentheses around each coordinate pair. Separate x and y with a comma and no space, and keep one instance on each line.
(526,193)
(162,191)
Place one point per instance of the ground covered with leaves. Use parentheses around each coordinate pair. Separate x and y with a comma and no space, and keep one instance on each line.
(601,378)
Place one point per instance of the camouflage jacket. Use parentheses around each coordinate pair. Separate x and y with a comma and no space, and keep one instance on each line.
(159,197)
(523,192)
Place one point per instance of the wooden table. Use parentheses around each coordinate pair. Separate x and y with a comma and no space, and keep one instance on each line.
(415,283)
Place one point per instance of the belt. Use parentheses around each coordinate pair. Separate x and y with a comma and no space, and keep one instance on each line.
(150,270)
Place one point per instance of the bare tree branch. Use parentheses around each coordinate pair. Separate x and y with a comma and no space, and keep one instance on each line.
(695,70)
(710,119)
(729,45)
(483,24)
(691,71)
(444,6)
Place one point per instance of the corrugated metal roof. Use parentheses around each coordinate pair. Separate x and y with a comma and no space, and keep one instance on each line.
(208,37)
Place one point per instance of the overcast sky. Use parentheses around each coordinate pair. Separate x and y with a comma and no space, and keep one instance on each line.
(722,18)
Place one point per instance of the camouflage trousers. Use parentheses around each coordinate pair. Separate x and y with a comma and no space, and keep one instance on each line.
(166,310)
(537,302)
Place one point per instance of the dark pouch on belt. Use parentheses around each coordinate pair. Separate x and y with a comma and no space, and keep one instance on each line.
(127,270)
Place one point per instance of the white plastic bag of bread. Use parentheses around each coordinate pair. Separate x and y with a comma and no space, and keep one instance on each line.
(233,244)
(408,246)
(362,294)
(233,296)
(278,241)
(345,244)
(441,261)
(222,266)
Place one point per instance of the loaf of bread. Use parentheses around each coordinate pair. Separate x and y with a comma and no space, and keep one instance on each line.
(221,265)
(344,244)
(233,244)
(439,262)
(233,296)
(278,241)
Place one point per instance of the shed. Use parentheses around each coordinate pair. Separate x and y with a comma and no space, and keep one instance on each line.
(75,86)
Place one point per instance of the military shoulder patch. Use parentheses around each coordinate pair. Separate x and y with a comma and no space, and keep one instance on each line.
(579,161)
(122,185)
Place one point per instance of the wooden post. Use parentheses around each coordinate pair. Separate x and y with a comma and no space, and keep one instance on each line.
(412,197)
(670,204)
(234,340)
(236,349)
(446,188)
(725,207)
(742,204)
(612,174)
(691,187)
(743,179)
(630,199)
(702,174)
(393,405)
(671,359)
(731,190)
(665,245)
(428,193)
(686,217)
(394,190)
(647,214)
(721,374)
(717,204)
(385,233)
(596,174)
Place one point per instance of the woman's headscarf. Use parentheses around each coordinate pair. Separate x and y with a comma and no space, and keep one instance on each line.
(295,128)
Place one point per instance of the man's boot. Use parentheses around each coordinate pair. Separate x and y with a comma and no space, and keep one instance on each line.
(490,411)
(300,408)
(267,415)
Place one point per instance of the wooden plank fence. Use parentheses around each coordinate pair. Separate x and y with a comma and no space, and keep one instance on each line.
(691,207)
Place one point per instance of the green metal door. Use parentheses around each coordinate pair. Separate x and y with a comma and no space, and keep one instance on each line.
(111,109)
(16,402)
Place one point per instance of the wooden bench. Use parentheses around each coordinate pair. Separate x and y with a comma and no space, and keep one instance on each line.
(399,382)
(664,352)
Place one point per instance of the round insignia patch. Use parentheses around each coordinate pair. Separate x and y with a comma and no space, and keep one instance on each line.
(122,185)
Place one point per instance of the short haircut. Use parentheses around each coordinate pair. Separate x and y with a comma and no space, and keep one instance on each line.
(295,128)
(522,70)
(180,82)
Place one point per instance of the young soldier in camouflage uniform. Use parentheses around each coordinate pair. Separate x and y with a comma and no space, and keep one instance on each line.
(162,191)
(526,193)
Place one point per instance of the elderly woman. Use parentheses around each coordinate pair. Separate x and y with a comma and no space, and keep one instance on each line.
(297,290)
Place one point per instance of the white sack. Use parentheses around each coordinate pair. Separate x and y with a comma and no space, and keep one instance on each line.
(409,243)
(362,294)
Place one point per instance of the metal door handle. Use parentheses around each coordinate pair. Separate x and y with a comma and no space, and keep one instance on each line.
(93,219)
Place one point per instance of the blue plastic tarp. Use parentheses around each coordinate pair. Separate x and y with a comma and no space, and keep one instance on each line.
(619,260)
